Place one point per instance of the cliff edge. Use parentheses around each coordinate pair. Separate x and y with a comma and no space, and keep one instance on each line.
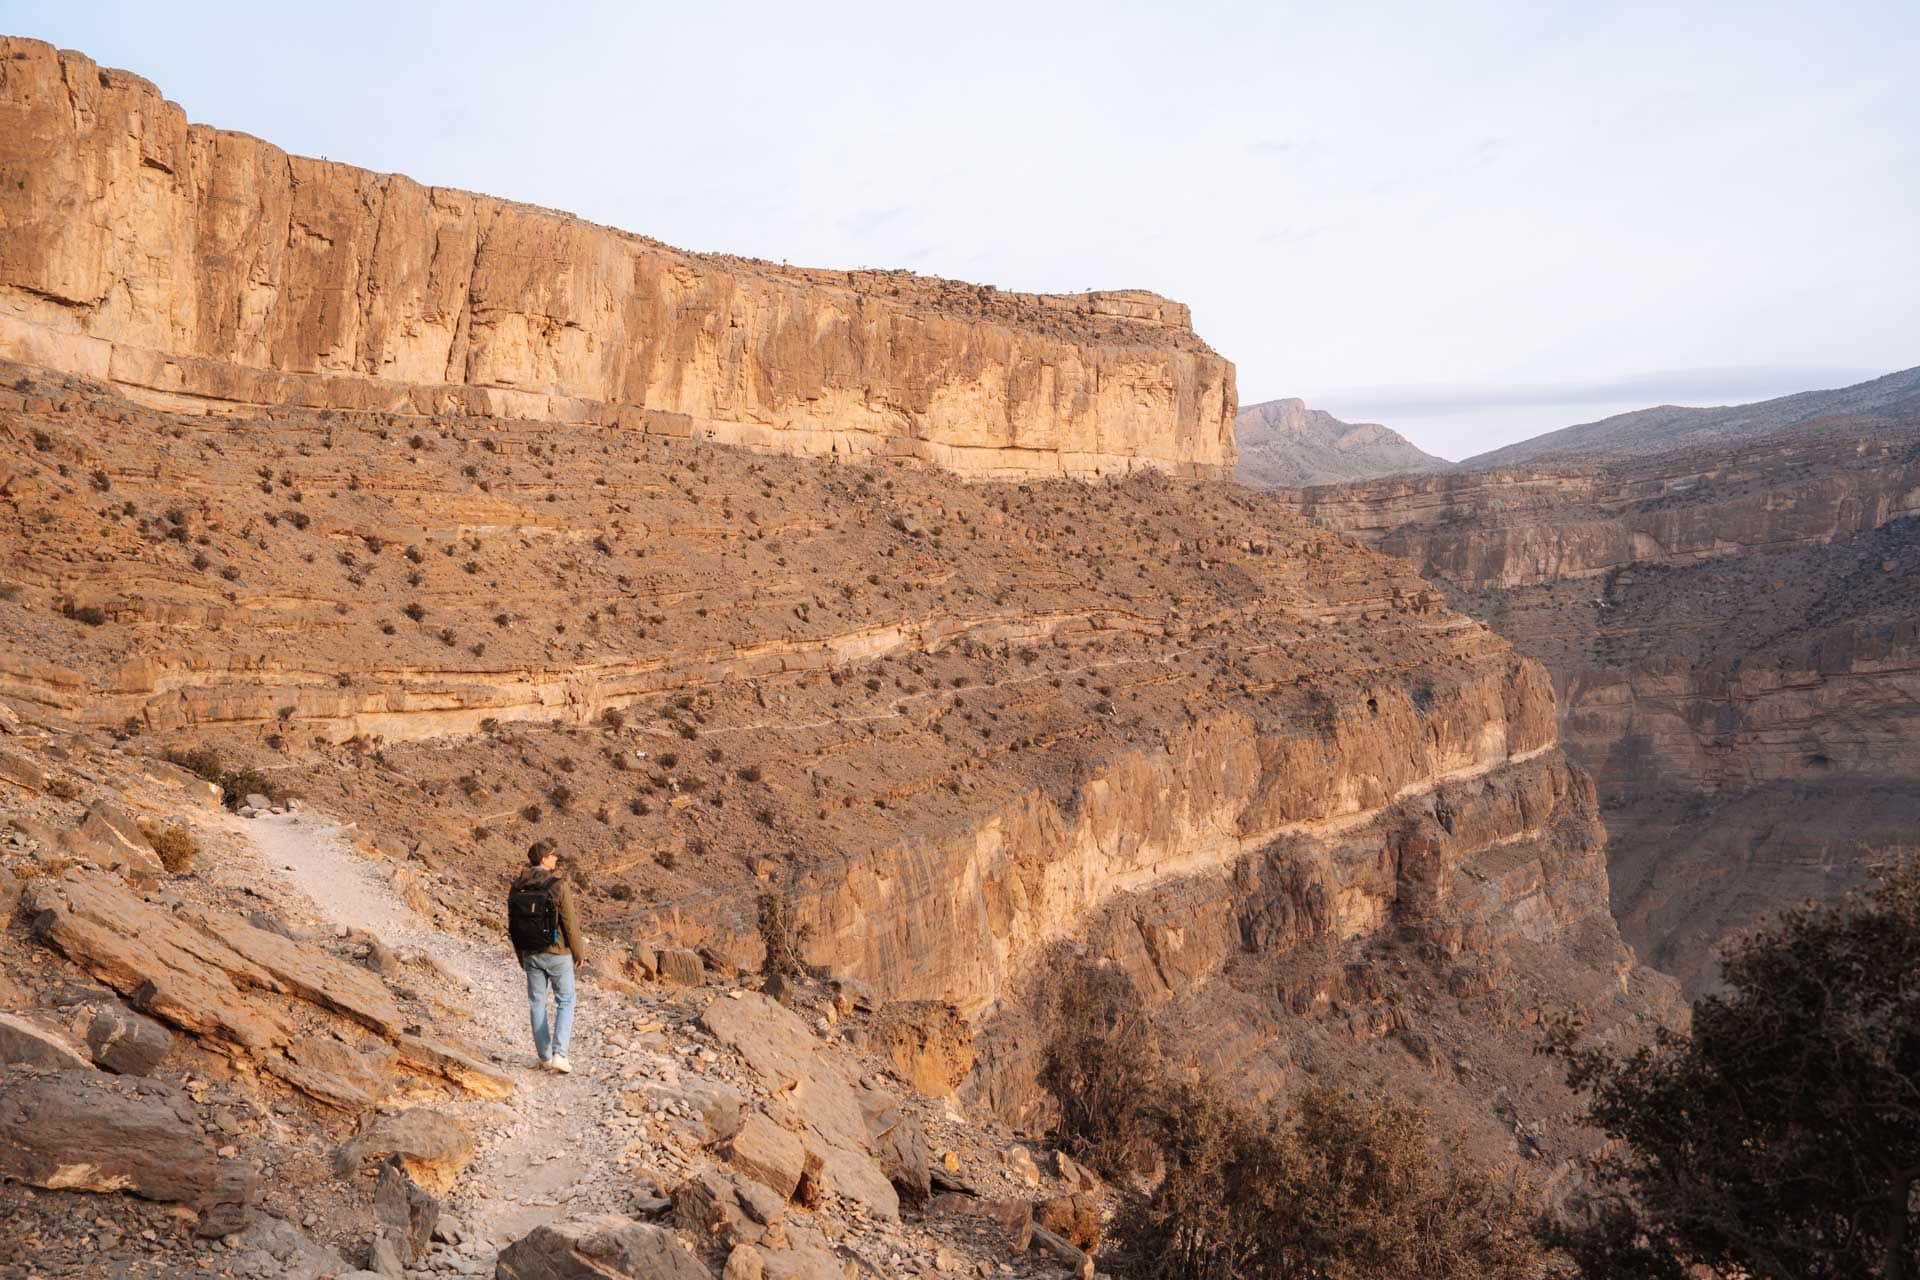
(201,270)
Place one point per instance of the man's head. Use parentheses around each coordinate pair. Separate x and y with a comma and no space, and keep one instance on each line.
(543,853)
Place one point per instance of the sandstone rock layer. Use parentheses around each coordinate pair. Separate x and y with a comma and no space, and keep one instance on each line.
(1734,636)
(196,268)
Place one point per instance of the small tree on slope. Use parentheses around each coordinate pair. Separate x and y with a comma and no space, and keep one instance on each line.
(1780,1139)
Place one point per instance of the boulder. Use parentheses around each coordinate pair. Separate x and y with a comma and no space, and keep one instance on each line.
(123,1041)
(1016,1219)
(899,1145)
(729,1210)
(23,773)
(1063,1251)
(433,1149)
(681,967)
(220,978)
(1076,1175)
(1020,1164)
(705,1111)
(927,1041)
(1075,1217)
(9,895)
(764,1151)
(90,1131)
(803,1262)
(404,1215)
(819,1097)
(851,995)
(291,1255)
(28,1044)
(609,1247)
(109,837)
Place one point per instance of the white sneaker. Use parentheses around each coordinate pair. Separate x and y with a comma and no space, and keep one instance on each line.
(558,1062)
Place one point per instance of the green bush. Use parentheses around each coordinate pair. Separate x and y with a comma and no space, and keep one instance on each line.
(235,784)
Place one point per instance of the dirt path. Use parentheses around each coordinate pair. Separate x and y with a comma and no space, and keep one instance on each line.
(554,1148)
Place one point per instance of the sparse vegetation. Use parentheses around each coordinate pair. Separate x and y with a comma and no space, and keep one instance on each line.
(1339,1188)
(236,784)
(1780,1137)
(173,843)
(782,936)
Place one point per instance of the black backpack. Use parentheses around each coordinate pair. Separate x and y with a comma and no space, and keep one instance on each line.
(533,916)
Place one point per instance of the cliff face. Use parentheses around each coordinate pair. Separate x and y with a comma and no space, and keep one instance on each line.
(1735,638)
(204,270)
(1519,528)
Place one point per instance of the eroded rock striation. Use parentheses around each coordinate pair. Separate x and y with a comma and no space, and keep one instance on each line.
(954,726)
(1732,634)
(207,270)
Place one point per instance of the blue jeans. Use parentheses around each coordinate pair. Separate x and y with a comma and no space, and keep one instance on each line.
(556,971)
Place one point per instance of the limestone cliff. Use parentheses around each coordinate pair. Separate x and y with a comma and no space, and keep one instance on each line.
(1735,637)
(205,270)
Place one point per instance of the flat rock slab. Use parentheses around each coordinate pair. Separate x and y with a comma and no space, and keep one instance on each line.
(28,1044)
(610,1247)
(821,1098)
(123,1041)
(90,1131)
(222,979)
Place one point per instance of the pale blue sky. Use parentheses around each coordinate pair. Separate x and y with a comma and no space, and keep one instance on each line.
(1472,222)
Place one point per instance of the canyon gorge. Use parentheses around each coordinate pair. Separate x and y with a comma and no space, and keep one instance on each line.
(358,535)
(1731,630)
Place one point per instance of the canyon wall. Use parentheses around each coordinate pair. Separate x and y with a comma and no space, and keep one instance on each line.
(1734,634)
(204,270)
(1519,528)
(957,727)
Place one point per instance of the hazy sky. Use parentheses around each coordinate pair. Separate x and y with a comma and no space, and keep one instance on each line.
(1473,222)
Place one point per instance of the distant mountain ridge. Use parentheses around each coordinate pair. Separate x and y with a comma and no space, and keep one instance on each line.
(1285,445)
(1657,430)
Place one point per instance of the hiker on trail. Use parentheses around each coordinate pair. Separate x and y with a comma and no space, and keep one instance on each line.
(546,938)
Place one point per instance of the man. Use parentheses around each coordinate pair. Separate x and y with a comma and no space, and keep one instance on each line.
(546,938)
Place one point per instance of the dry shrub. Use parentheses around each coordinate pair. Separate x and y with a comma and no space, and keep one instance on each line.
(1101,1064)
(1341,1187)
(173,842)
(783,938)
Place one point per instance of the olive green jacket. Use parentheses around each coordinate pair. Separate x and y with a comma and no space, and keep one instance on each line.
(571,939)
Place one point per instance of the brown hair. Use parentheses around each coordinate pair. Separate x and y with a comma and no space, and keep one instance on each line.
(537,852)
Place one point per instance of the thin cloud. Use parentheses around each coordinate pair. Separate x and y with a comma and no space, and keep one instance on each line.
(1703,387)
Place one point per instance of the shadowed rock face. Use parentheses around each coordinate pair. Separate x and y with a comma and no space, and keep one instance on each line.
(206,270)
(1734,635)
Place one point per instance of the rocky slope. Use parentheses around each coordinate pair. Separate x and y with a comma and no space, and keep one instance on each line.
(207,270)
(1322,819)
(1732,633)
(424,508)
(1285,445)
(1884,401)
